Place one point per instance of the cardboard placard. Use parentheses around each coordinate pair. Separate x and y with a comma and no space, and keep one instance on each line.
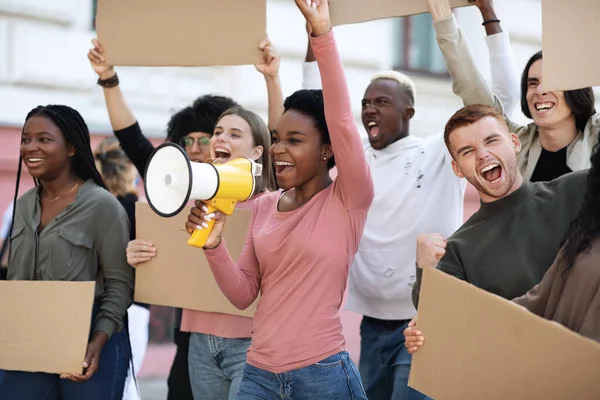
(481,346)
(181,32)
(353,11)
(45,325)
(569,64)
(179,275)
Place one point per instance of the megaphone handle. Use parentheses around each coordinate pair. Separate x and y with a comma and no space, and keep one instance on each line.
(200,236)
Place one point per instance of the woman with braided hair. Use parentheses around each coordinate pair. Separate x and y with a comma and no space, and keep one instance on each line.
(70,228)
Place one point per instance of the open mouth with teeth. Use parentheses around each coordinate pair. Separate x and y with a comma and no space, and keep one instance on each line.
(34,160)
(222,154)
(281,167)
(543,107)
(373,129)
(492,173)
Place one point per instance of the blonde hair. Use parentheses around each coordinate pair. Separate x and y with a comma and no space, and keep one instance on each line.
(405,83)
(115,167)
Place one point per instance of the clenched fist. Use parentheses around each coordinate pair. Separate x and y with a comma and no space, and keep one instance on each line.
(431,247)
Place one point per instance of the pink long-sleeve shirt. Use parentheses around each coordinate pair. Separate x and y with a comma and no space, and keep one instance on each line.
(299,260)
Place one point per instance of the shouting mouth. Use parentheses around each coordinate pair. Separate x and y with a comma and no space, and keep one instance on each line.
(373,130)
(222,154)
(492,173)
(281,167)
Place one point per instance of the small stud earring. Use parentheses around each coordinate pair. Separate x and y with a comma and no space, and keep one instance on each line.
(324,158)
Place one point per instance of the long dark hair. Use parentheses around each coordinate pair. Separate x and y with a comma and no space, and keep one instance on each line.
(586,226)
(580,101)
(76,132)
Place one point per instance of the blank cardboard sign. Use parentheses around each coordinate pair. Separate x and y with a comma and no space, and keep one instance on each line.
(481,346)
(44,325)
(179,275)
(181,32)
(353,11)
(570,63)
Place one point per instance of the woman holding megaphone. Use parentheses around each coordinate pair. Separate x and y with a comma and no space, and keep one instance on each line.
(301,240)
(218,342)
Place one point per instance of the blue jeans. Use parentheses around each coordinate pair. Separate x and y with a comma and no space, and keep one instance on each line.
(334,378)
(384,361)
(216,366)
(106,384)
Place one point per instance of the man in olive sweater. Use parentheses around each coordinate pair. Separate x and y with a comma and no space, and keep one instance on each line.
(507,246)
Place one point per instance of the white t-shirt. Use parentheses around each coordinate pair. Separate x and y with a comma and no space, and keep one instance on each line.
(416,192)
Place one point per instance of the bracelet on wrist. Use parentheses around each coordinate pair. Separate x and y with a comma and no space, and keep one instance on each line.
(109,82)
(489,21)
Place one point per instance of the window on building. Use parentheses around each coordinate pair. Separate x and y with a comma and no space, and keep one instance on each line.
(417,49)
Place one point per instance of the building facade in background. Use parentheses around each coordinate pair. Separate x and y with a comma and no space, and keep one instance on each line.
(43,59)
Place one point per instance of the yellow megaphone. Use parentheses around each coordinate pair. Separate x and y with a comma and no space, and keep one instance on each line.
(171,180)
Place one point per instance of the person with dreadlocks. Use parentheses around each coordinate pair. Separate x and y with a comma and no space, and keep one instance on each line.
(120,176)
(70,228)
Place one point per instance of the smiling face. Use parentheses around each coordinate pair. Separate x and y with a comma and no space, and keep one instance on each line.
(548,109)
(297,150)
(44,150)
(233,139)
(386,110)
(485,153)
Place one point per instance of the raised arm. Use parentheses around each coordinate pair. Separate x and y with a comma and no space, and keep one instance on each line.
(124,125)
(505,79)
(270,70)
(239,282)
(353,184)
(467,81)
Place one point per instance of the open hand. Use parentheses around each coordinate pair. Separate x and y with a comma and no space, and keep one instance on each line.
(96,57)
(431,247)
(139,251)
(198,218)
(413,338)
(270,65)
(316,13)
(92,359)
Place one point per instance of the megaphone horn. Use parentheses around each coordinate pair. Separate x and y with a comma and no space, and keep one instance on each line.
(171,180)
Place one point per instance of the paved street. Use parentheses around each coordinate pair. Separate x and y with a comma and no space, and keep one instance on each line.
(153,389)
